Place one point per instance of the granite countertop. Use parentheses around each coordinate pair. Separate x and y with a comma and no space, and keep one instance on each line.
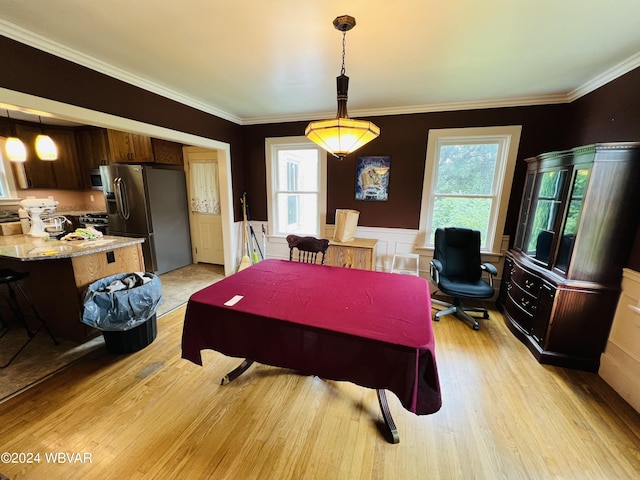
(27,248)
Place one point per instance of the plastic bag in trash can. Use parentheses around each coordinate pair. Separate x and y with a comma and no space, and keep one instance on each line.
(122,309)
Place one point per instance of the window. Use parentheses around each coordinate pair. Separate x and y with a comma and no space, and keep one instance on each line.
(467,181)
(296,179)
(7,182)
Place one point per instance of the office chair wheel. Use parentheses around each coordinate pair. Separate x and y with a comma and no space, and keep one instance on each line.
(485,315)
(476,327)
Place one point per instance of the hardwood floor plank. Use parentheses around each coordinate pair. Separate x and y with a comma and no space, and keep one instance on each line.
(151,415)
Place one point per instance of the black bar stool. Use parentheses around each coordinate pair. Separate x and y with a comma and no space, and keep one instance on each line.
(10,278)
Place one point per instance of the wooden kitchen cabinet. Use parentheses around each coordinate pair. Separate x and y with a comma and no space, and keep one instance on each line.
(128,147)
(63,173)
(167,152)
(66,169)
(35,172)
(561,280)
(357,253)
(93,147)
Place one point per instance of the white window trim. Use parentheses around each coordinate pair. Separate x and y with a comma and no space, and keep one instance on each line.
(7,179)
(510,136)
(271,145)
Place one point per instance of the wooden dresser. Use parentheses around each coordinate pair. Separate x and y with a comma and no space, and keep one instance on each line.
(357,253)
(561,280)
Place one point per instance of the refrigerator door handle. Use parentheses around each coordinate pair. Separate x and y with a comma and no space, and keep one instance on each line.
(121,198)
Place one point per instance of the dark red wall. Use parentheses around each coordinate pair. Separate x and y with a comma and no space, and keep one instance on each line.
(610,113)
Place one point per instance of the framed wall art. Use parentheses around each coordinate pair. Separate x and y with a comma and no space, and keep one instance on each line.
(372,178)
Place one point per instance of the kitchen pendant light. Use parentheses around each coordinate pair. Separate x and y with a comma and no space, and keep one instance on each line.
(15,150)
(45,147)
(342,135)
(13,147)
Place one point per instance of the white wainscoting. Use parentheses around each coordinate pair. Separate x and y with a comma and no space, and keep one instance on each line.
(620,362)
(391,241)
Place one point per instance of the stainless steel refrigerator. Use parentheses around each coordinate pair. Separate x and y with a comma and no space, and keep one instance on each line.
(148,202)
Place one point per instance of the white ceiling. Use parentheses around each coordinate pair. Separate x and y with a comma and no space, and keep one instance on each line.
(257,61)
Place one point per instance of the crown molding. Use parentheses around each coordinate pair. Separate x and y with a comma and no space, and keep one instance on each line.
(41,43)
(605,77)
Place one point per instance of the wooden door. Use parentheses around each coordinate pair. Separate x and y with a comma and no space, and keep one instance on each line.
(204,207)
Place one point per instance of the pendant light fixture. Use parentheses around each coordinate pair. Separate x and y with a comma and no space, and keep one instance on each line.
(342,135)
(45,147)
(13,147)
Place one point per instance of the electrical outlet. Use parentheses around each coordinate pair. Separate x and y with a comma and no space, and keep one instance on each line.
(91,197)
(111,257)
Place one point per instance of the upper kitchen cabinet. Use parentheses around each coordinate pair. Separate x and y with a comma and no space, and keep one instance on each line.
(93,147)
(34,173)
(61,173)
(166,152)
(66,169)
(128,147)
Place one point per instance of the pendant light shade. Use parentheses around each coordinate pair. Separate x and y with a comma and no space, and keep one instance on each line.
(45,148)
(342,135)
(15,150)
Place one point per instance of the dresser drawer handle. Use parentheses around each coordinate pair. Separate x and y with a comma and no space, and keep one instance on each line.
(524,302)
(528,283)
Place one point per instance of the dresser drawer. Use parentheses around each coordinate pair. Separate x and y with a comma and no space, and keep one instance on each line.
(526,281)
(514,310)
(522,299)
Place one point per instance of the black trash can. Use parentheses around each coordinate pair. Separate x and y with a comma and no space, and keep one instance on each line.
(129,341)
(123,307)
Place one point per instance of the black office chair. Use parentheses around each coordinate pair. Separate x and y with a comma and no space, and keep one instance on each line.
(456,270)
(308,248)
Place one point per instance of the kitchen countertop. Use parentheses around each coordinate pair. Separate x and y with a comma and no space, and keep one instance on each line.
(27,248)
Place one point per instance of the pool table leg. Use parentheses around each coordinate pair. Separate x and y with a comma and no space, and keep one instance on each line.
(236,372)
(386,414)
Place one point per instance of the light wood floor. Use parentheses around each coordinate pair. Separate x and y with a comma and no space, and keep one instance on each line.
(153,415)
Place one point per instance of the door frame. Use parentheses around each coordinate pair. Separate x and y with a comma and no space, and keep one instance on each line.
(222,189)
(99,119)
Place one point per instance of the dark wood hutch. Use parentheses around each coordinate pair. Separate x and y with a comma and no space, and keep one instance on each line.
(561,279)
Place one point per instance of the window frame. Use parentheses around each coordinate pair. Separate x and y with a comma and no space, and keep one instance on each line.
(9,194)
(272,146)
(508,137)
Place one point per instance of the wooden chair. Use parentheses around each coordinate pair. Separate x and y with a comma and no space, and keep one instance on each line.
(308,248)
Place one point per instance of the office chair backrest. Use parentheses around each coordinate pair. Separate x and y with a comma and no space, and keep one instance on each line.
(308,248)
(458,249)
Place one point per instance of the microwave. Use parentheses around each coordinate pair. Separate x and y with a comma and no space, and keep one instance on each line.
(95,179)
